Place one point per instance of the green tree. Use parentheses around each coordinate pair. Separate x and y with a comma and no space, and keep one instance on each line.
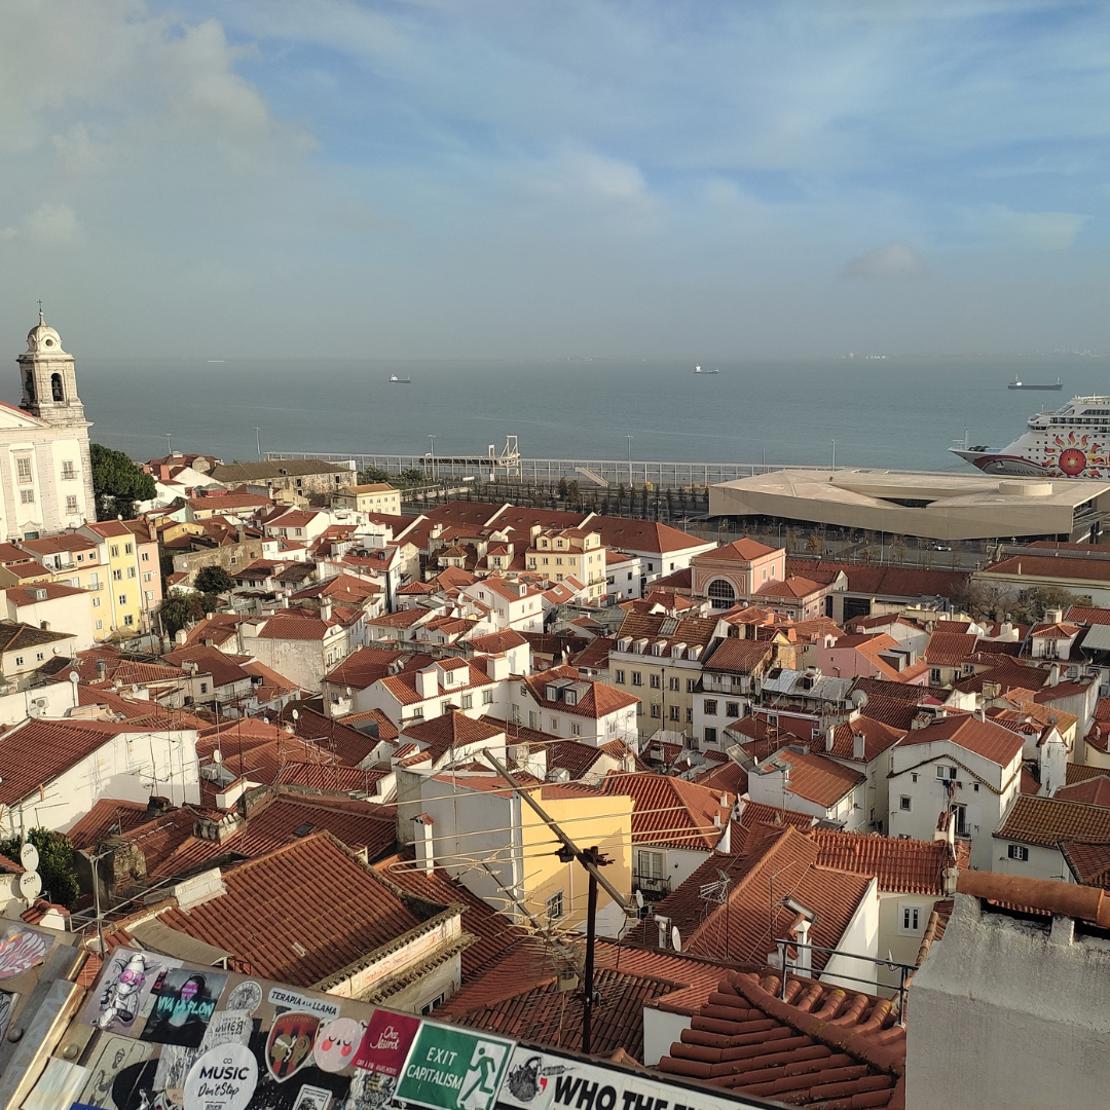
(414,476)
(214,580)
(117,483)
(373,474)
(179,610)
(564,489)
(56,866)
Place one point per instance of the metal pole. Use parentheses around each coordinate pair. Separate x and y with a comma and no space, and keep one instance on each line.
(591,928)
(629,438)
(834,454)
(258,440)
(432,455)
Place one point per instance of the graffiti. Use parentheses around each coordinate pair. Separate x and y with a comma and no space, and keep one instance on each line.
(113,1056)
(20,950)
(124,986)
(7,1008)
(183,1004)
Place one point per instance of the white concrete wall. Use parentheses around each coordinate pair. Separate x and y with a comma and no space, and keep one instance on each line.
(54,700)
(861,938)
(72,614)
(128,767)
(901,944)
(1043,863)
(661,1030)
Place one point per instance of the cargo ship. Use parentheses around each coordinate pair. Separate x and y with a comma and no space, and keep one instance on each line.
(1017,383)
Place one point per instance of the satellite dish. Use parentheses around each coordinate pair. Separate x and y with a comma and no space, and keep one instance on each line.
(676,939)
(638,895)
(217,756)
(859,698)
(29,856)
(74,677)
(30,885)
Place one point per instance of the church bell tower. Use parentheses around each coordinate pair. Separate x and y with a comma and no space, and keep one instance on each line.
(49,378)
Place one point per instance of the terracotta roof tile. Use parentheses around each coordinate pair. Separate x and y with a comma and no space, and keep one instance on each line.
(106,817)
(596,699)
(821,1047)
(344,911)
(672,812)
(902,866)
(1089,863)
(984,738)
(736,656)
(1048,821)
(1094,791)
(814,777)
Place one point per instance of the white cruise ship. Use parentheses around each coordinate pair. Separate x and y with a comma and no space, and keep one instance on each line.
(1071,442)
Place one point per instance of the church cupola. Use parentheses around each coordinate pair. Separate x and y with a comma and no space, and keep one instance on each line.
(49,377)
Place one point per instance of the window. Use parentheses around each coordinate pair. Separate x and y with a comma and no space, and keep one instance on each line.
(487,697)
(649,865)
(1018,852)
(204,687)
(691,685)
(428,1007)
(23,469)
(655,681)
(576,730)
(69,470)
(711,736)
(944,772)
(19,660)
(962,827)
(128,548)
(129,620)
(147,575)
(672,712)
(656,712)
(96,602)
(99,625)
(115,550)
(934,676)
(146,557)
(689,715)
(555,906)
(123,599)
(913,777)
(117,576)
(132,572)
(721,593)
(637,678)
(27,496)
(673,684)
(904,803)
(732,709)
(911,919)
(711,707)
(71,505)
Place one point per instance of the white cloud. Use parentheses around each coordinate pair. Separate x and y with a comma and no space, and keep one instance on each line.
(892,261)
(48,225)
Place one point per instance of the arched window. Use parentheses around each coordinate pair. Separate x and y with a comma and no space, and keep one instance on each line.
(29,385)
(56,389)
(722,593)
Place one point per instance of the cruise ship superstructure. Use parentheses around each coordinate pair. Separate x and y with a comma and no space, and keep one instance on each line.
(1070,442)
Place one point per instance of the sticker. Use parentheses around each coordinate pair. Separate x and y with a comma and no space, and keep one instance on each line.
(453,1069)
(223,1078)
(124,985)
(294,1000)
(20,950)
(246,995)
(313,1098)
(371,1090)
(176,1061)
(386,1042)
(529,1079)
(184,1001)
(337,1043)
(112,1056)
(289,1045)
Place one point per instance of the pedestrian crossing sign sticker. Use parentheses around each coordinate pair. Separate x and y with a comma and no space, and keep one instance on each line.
(453,1069)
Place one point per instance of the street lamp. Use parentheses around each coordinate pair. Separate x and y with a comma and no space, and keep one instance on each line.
(432,455)
(628,436)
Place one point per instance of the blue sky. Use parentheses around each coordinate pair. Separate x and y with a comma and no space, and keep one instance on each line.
(514,179)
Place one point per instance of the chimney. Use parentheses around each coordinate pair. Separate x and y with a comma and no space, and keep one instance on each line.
(859,741)
(325,609)
(664,926)
(497,667)
(946,830)
(803,965)
(1053,616)
(424,844)
(427,682)
(830,737)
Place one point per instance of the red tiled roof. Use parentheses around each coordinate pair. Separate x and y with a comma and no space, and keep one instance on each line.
(877,737)
(634,535)
(598,700)
(348,745)
(736,656)
(28,595)
(438,735)
(821,1047)
(904,583)
(950,649)
(1048,821)
(224,669)
(661,626)
(35,753)
(793,586)
(106,816)
(902,866)
(725,775)
(404,686)
(493,643)
(1094,791)
(345,912)
(745,926)
(814,777)
(365,666)
(743,550)
(671,812)
(1089,863)
(1052,567)
(984,738)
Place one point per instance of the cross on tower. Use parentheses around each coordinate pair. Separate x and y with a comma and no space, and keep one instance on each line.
(42,319)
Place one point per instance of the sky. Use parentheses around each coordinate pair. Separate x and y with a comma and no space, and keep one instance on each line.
(528,179)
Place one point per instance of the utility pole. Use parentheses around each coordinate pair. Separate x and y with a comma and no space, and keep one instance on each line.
(258,441)
(628,436)
(432,456)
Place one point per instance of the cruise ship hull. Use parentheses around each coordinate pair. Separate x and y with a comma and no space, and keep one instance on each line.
(997,462)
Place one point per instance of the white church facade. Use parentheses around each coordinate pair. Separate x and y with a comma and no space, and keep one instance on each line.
(45,469)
